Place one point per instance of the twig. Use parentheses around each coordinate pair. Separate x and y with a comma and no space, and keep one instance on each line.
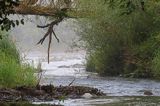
(55,36)
(40,73)
(72,82)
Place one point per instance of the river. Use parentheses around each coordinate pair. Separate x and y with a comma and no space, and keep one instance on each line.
(67,64)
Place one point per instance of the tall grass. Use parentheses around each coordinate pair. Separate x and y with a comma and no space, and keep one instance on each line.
(12,72)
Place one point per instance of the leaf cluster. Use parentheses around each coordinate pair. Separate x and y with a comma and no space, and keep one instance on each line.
(127,6)
(6,8)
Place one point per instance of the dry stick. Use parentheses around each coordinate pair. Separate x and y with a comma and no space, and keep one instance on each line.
(40,77)
(41,72)
(38,83)
(55,36)
(49,45)
(72,82)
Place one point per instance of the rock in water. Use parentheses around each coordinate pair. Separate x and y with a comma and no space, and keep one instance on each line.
(149,93)
(87,95)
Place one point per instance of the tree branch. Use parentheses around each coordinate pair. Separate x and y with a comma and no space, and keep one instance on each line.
(59,10)
(49,33)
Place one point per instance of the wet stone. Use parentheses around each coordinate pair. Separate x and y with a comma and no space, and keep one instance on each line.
(149,93)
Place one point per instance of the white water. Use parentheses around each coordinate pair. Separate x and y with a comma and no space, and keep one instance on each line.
(61,64)
(64,67)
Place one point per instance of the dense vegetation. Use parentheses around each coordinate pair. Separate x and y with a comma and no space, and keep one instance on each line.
(12,72)
(122,44)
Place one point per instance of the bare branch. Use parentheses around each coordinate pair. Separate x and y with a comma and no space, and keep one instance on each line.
(49,33)
(49,45)
(72,82)
(55,36)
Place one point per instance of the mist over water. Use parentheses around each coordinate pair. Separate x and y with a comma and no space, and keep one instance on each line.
(26,36)
(63,55)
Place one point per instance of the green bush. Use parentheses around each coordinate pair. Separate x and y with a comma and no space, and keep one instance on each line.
(12,72)
(156,65)
(121,44)
(8,47)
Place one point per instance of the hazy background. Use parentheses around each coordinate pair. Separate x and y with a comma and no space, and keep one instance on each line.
(26,36)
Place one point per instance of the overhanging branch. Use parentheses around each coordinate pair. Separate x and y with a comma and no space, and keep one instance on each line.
(58,10)
(49,33)
(35,10)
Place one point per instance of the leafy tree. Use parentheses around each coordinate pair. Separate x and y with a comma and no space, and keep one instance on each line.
(120,42)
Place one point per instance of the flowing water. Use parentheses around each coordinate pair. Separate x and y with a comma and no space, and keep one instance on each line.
(67,64)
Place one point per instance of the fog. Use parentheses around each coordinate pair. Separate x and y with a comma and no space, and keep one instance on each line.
(26,36)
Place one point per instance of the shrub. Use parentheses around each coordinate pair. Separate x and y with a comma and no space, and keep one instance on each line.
(8,47)
(12,72)
(122,44)
(156,64)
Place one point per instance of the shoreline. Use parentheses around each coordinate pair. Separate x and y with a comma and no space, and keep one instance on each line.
(46,93)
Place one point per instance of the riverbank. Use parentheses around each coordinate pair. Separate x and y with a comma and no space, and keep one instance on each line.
(46,93)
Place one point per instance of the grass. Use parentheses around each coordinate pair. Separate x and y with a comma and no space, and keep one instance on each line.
(12,72)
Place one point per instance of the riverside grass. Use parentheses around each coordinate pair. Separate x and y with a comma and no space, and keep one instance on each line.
(12,72)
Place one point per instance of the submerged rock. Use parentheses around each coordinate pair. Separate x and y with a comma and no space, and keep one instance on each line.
(147,92)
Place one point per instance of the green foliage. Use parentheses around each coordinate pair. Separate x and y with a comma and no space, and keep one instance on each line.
(156,65)
(122,44)
(8,47)
(6,7)
(12,72)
